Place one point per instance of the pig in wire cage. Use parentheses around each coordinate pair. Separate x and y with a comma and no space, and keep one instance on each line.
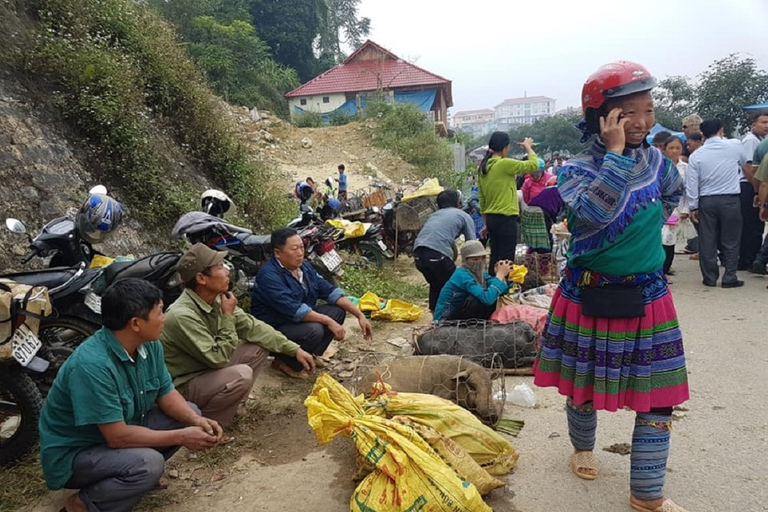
(481,390)
(481,341)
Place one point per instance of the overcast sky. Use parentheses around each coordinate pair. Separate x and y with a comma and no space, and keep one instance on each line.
(494,49)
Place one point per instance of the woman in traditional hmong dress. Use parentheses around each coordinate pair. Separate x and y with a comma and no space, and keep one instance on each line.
(612,339)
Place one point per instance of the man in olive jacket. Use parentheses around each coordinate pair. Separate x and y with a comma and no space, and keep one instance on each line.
(214,349)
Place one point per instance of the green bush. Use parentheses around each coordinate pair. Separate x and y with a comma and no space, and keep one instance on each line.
(405,130)
(308,119)
(122,80)
(340,117)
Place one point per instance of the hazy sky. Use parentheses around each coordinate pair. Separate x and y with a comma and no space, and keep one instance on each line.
(494,49)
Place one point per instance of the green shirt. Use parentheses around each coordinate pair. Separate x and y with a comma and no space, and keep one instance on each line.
(496,188)
(198,338)
(98,384)
(636,250)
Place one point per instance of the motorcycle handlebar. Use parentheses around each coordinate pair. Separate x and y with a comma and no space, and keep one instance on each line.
(31,254)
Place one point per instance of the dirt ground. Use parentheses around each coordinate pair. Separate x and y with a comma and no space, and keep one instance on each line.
(717,461)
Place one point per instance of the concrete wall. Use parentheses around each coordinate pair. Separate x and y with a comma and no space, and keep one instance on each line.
(316,104)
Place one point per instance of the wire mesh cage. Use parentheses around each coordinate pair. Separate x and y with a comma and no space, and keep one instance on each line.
(412,215)
(481,341)
(481,390)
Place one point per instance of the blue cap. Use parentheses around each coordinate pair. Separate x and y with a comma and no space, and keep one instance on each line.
(542,165)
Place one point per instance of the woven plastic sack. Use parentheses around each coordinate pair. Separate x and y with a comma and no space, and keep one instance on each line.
(487,448)
(409,474)
(398,311)
(351,229)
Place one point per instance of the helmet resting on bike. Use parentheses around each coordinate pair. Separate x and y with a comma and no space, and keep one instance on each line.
(98,218)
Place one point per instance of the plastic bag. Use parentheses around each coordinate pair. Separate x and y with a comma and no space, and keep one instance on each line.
(491,451)
(351,229)
(409,474)
(431,187)
(398,311)
(518,273)
(522,395)
(370,302)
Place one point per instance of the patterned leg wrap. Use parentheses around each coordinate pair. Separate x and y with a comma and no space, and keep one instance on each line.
(650,449)
(582,424)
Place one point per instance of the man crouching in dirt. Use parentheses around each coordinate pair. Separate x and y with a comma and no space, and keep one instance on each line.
(285,296)
(213,349)
(112,417)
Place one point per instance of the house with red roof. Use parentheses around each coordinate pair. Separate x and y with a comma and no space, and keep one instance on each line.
(370,71)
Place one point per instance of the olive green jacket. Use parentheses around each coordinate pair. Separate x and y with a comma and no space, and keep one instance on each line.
(198,338)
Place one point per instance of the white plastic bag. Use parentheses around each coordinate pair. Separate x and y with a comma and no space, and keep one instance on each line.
(522,395)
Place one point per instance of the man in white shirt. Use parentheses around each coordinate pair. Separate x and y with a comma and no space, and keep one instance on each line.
(712,186)
(752,227)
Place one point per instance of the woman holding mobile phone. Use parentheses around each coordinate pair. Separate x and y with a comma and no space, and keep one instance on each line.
(612,339)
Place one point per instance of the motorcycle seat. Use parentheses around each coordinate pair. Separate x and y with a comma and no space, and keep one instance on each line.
(153,268)
(52,277)
(251,242)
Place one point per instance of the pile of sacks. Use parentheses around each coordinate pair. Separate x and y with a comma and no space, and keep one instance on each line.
(424,452)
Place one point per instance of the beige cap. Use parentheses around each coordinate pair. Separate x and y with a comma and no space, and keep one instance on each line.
(472,249)
(198,258)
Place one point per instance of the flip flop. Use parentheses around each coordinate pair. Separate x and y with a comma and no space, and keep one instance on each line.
(667,506)
(584,460)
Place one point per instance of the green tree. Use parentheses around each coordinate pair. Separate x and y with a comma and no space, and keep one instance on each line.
(553,134)
(290,29)
(727,86)
(674,98)
(343,25)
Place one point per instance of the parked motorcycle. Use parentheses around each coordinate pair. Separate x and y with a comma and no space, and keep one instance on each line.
(21,307)
(247,252)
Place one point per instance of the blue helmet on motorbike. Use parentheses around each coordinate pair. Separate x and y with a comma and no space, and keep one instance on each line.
(98,218)
(334,203)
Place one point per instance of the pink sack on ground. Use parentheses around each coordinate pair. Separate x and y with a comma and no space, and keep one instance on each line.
(533,316)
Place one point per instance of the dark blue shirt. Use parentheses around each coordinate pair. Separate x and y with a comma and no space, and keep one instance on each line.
(279,298)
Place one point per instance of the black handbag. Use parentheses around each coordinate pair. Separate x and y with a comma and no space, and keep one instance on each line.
(613,301)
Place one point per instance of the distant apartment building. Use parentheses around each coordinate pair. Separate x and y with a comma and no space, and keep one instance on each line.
(517,111)
(474,122)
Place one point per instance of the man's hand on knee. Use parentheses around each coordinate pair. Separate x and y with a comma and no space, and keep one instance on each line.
(337,330)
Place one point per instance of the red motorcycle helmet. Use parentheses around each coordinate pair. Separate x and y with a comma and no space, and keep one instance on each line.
(614,80)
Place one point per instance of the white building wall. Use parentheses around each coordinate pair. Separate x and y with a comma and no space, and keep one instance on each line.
(316,103)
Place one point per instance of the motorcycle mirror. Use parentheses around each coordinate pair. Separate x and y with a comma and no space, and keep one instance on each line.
(15,226)
(98,189)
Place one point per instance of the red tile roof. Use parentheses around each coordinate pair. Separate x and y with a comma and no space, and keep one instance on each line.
(354,75)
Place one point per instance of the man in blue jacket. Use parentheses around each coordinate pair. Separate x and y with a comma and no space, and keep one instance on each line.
(285,297)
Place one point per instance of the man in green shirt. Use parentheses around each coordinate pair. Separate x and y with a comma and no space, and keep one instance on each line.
(214,349)
(112,416)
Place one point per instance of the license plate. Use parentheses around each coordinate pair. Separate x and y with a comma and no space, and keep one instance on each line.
(331,259)
(25,345)
(93,302)
(382,245)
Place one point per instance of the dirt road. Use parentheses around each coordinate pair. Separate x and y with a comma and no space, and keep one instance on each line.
(718,460)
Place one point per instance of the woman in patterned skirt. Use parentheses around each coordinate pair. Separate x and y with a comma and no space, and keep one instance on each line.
(612,339)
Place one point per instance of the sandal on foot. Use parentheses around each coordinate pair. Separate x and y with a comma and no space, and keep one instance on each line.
(277,364)
(584,460)
(667,506)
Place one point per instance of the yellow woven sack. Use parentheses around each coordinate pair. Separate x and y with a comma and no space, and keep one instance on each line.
(409,474)
(398,311)
(486,447)
(351,229)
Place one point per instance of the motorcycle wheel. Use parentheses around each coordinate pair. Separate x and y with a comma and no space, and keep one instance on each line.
(60,337)
(20,404)
(372,253)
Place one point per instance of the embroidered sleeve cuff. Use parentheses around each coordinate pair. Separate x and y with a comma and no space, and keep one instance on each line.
(335,295)
(303,311)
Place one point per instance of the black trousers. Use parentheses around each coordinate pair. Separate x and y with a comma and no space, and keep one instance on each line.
(751,227)
(472,308)
(669,257)
(719,221)
(313,337)
(502,231)
(436,268)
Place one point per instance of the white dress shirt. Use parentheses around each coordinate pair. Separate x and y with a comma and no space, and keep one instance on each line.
(714,169)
